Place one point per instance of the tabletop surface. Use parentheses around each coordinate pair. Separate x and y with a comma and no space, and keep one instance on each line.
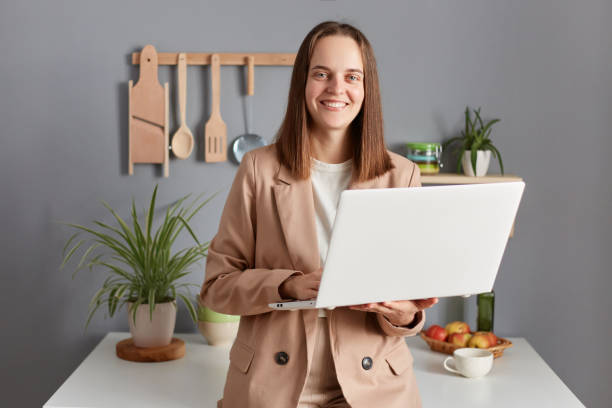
(519,378)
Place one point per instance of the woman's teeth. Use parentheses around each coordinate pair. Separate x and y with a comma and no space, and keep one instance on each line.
(335,104)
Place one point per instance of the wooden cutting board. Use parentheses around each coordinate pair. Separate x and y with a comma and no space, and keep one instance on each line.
(148,115)
(126,350)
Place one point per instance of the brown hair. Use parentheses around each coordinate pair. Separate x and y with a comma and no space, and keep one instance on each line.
(370,157)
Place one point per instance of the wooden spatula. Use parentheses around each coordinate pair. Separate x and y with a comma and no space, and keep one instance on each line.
(215,131)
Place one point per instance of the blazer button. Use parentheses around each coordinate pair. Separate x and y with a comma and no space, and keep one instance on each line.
(281,358)
(366,363)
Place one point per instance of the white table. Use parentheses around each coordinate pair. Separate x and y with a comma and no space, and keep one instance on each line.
(519,378)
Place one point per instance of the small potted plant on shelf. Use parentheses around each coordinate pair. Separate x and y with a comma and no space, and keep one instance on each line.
(476,146)
(142,270)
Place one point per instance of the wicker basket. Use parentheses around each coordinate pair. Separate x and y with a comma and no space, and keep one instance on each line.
(448,348)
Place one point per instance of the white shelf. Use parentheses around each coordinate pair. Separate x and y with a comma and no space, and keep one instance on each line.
(454,178)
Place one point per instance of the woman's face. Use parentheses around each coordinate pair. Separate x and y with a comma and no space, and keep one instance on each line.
(334,88)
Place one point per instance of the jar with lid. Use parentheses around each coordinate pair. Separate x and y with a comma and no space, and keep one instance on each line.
(426,155)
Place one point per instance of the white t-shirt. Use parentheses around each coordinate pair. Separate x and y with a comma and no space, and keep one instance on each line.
(328,182)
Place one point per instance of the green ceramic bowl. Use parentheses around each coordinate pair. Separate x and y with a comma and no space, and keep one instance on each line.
(208,315)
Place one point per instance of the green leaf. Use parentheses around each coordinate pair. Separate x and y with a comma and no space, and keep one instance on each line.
(467,121)
(151,303)
(134,309)
(150,213)
(190,308)
(90,315)
(93,262)
(474,155)
(488,125)
(451,141)
(67,258)
(124,226)
(139,237)
(478,118)
(85,255)
(199,207)
(97,296)
(118,271)
(76,234)
(501,164)
(487,146)
(189,229)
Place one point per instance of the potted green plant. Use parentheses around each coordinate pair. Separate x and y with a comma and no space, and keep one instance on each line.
(142,270)
(475,145)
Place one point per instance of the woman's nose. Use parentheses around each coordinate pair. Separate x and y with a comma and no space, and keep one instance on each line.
(335,85)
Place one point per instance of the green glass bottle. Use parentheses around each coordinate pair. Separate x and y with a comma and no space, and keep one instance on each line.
(486,311)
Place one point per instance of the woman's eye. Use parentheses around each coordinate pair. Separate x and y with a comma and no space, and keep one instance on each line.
(353,77)
(320,75)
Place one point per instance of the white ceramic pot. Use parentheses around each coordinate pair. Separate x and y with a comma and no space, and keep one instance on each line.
(217,328)
(483,157)
(219,333)
(153,333)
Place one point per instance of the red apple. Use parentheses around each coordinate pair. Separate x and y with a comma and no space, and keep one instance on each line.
(437,332)
(459,339)
(492,337)
(457,327)
(480,340)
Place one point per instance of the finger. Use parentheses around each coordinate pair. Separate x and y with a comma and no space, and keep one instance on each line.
(399,304)
(308,285)
(308,294)
(425,303)
(402,306)
(314,279)
(427,300)
(378,307)
(367,307)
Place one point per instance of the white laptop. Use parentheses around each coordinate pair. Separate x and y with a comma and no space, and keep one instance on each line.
(415,243)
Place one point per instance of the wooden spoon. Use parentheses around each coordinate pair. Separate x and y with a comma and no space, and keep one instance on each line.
(182,140)
(215,131)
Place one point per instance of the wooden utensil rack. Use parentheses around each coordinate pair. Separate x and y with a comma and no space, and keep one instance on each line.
(148,138)
(203,58)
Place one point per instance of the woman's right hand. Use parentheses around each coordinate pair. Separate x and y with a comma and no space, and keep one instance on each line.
(301,287)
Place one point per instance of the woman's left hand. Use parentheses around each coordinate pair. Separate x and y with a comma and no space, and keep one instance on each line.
(398,312)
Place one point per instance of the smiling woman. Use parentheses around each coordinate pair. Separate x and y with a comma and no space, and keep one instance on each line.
(273,239)
(335,62)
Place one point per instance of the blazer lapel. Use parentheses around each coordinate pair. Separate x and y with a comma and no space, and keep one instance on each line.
(295,205)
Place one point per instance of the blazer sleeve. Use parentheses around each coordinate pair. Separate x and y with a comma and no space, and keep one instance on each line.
(385,325)
(232,285)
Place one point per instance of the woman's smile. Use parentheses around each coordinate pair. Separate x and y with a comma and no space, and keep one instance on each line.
(333,105)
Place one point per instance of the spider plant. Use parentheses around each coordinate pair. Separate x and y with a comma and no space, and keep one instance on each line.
(475,137)
(140,265)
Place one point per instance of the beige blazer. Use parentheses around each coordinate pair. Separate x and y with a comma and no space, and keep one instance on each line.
(266,234)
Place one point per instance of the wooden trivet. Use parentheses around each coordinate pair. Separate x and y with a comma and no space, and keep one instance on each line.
(126,350)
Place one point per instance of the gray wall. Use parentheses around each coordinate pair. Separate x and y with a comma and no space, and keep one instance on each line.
(542,66)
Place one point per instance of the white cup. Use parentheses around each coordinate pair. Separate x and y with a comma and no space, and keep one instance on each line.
(470,362)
